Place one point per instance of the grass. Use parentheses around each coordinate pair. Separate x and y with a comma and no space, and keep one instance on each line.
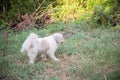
(87,54)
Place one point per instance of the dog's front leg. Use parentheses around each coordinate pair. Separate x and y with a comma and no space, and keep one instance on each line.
(52,56)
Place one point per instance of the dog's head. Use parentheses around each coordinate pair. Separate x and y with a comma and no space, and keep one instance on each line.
(58,37)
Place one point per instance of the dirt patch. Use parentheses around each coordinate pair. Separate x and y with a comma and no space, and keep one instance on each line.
(61,68)
(52,69)
(111,69)
(116,42)
(18,62)
(2,53)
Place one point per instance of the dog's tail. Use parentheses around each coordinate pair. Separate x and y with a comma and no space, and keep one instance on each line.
(31,39)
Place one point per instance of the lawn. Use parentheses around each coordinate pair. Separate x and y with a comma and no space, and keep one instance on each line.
(86,54)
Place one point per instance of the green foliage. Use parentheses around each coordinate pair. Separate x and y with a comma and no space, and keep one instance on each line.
(3,25)
(20,7)
(103,11)
(95,12)
(68,10)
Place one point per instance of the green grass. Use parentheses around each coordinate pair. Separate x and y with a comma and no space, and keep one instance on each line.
(87,54)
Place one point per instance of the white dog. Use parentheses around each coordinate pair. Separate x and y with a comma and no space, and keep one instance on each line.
(47,45)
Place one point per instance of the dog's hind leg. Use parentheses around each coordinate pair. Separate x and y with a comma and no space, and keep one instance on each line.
(32,55)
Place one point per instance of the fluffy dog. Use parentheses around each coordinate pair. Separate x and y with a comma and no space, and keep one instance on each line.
(46,46)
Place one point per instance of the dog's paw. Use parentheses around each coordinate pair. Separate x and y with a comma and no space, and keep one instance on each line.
(31,62)
(56,59)
(22,50)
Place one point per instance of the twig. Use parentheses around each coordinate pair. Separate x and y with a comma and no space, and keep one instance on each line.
(38,8)
(105,77)
(5,41)
(44,12)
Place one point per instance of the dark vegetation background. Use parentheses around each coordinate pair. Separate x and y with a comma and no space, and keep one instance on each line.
(13,13)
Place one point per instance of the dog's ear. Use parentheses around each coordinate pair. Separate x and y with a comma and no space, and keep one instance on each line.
(55,37)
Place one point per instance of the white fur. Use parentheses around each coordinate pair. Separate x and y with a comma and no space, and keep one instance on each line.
(47,45)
